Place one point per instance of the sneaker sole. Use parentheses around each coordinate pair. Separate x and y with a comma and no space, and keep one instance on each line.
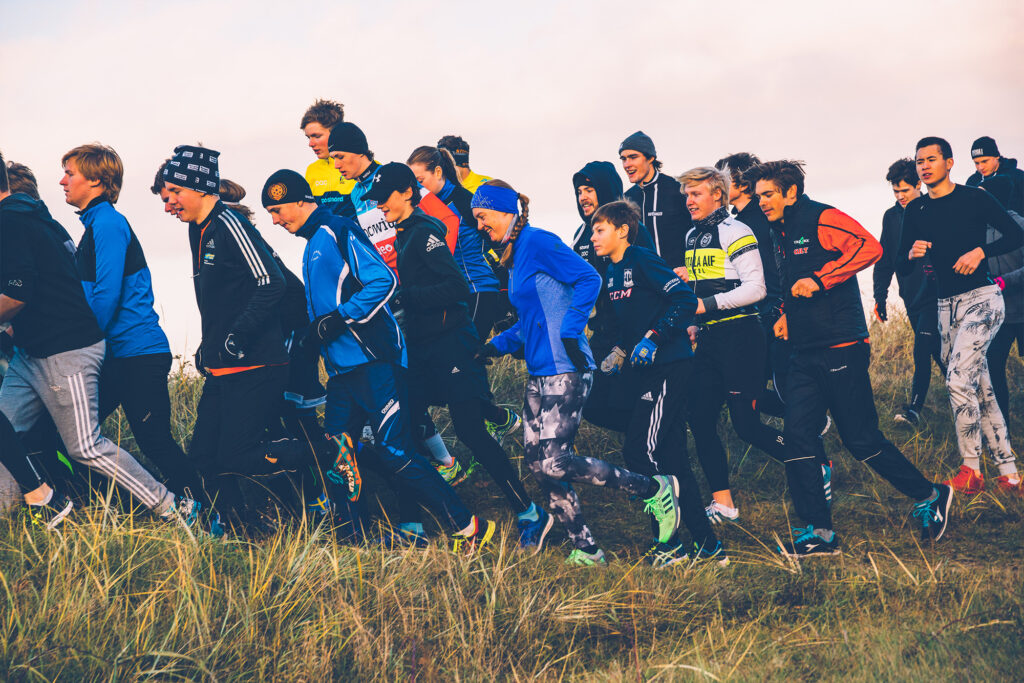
(544,534)
(945,515)
(799,556)
(675,501)
(56,520)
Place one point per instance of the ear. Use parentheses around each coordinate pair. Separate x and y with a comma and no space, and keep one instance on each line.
(407,195)
(791,192)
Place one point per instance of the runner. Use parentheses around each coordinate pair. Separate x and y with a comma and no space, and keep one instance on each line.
(347,287)
(723,265)
(662,208)
(459,149)
(989,162)
(442,343)
(328,186)
(59,350)
(950,226)
(653,308)
(916,288)
(553,290)
(823,249)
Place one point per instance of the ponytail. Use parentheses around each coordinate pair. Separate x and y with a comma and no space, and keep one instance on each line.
(431,158)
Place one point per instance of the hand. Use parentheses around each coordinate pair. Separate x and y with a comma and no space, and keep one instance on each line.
(919,249)
(234,346)
(199,360)
(881,314)
(700,307)
(781,327)
(969,262)
(692,332)
(682,273)
(575,353)
(999,281)
(643,353)
(612,364)
(804,287)
(485,352)
(324,329)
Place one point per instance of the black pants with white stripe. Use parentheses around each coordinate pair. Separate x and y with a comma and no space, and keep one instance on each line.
(655,441)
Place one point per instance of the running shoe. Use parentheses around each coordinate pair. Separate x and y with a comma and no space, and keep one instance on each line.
(184,511)
(467,545)
(933,514)
(664,555)
(716,554)
(907,417)
(808,543)
(50,515)
(532,533)
(581,558)
(398,539)
(967,482)
(664,506)
(319,508)
(1006,484)
(345,471)
(453,474)
(214,527)
(719,514)
(498,432)
(826,474)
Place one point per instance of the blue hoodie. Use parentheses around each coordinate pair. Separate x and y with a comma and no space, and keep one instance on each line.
(469,250)
(553,290)
(342,271)
(117,283)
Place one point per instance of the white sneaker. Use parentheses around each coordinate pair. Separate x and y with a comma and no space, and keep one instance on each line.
(718,513)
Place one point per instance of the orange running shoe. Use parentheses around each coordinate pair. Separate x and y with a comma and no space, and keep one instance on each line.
(1004,484)
(966,481)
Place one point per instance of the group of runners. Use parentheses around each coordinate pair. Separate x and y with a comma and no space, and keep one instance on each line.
(727,286)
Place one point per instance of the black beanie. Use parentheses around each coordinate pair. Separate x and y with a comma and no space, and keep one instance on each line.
(347,137)
(286,187)
(195,168)
(640,142)
(984,147)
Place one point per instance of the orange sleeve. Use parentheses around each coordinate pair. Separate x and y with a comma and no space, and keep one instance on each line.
(433,206)
(857,247)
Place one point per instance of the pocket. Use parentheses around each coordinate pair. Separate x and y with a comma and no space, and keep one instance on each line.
(74,362)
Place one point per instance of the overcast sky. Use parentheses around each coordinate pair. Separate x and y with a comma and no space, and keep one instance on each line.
(537,88)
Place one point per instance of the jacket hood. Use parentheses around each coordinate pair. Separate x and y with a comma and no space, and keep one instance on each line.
(1007,164)
(22,203)
(602,176)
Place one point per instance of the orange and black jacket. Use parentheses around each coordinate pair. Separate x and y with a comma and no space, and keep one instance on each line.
(822,243)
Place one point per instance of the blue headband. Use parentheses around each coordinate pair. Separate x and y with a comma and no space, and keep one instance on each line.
(496,199)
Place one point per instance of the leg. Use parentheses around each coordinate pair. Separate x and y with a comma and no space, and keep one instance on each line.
(702,416)
(806,403)
(20,407)
(997,356)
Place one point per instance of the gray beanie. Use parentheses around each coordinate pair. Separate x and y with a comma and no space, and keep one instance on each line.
(640,142)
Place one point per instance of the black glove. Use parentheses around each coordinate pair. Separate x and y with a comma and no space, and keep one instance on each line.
(234,346)
(575,353)
(324,329)
(485,352)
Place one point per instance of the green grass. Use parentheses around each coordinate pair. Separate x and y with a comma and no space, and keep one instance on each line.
(118,597)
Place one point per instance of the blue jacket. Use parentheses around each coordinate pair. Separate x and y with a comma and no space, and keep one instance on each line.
(469,250)
(342,271)
(553,290)
(117,283)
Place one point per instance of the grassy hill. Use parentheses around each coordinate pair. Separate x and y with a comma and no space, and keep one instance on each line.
(119,597)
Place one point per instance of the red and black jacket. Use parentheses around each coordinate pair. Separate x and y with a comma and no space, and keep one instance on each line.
(823,243)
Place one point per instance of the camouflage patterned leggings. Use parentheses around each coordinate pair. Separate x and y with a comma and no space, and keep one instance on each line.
(551,413)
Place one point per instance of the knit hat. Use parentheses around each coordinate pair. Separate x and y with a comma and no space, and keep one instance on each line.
(286,187)
(347,137)
(393,177)
(640,142)
(984,147)
(195,168)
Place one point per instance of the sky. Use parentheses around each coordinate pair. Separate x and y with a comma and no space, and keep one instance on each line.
(537,88)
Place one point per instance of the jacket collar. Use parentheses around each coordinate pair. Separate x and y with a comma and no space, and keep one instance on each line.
(795,208)
(313,223)
(87,213)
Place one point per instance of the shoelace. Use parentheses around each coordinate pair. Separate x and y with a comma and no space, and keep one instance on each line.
(923,512)
(806,533)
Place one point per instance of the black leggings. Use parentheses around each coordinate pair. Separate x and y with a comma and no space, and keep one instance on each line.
(468,421)
(927,347)
(998,353)
(704,414)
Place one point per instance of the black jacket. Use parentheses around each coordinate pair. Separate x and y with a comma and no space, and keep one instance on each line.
(37,267)
(663,211)
(1007,167)
(911,285)
(753,218)
(433,291)
(239,288)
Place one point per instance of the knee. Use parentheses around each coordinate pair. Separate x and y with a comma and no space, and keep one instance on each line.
(863,447)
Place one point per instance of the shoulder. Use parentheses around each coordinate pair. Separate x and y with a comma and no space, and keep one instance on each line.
(109,218)
(667,182)
(733,228)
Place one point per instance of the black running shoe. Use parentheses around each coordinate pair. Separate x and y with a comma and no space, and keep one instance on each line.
(933,514)
(907,417)
(807,543)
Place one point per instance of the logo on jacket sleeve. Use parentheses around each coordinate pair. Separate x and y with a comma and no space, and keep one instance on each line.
(433,243)
(627,277)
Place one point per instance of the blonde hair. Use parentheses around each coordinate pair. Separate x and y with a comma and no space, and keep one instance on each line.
(521,220)
(99,163)
(715,178)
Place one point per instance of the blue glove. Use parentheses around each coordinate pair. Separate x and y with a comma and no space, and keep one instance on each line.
(643,353)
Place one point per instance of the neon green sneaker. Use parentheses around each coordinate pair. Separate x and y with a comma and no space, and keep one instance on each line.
(454,474)
(664,506)
(581,558)
(498,432)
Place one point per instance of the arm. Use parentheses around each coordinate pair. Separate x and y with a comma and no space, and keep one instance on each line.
(556,259)
(745,257)
(270,285)
(9,308)
(682,302)
(1011,234)
(885,268)
(447,288)
(379,283)
(510,340)
(858,248)
(18,265)
(111,240)
(433,206)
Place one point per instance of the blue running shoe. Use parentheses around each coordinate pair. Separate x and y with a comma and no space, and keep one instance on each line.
(716,554)
(808,543)
(532,533)
(826,473)
(214,527)
(933,513)
(662,555)
(498,432)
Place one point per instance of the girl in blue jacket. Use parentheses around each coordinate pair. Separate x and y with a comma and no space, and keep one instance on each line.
(553,290)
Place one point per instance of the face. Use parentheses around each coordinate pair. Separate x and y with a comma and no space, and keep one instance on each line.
(734,193)
(905,192)
(772,200)
(77,190)
(586,197)
(432,180)
(396,206)
(931,167)
(350,165)
(317,136)
(636,165)
(494,223)
(291,216)
(165,197)
(986,165)
(607,237)
(701,201)
(185,203)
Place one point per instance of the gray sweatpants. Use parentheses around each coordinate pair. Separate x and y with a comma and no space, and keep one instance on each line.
(66,385)
(967,324)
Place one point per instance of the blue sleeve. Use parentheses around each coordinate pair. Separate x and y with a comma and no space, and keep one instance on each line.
(563,264)
(682,302)
(378,281)
(510,340)
(111,239)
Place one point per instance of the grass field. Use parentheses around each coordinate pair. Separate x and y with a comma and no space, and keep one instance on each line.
(123,598)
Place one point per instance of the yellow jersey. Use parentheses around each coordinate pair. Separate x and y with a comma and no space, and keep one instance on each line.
(326,182)
(472,181)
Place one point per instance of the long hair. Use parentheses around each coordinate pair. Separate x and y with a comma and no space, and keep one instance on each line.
(431,158)
(517,227)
